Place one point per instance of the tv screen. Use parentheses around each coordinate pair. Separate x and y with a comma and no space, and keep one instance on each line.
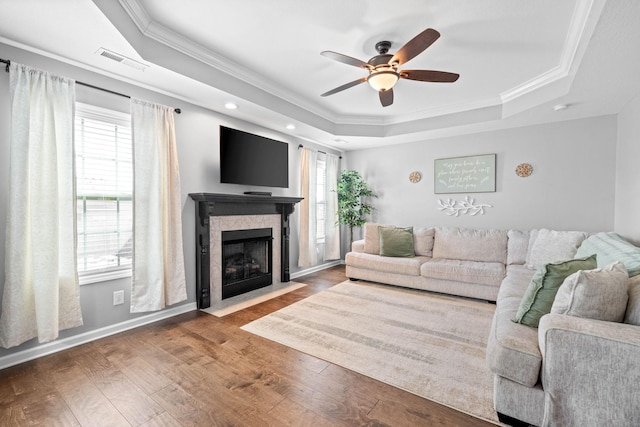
(253,160)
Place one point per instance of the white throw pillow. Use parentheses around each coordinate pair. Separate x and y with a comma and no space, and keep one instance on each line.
(553,246)
(599,294)
(517,246)
(372,238)
(423,241)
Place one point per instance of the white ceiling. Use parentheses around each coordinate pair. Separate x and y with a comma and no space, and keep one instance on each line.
(516,58)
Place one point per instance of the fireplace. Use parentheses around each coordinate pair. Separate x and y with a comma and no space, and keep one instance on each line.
(218,213)
(246,261)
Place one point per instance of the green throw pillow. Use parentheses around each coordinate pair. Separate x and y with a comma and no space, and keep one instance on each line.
(538,298)
(396,241)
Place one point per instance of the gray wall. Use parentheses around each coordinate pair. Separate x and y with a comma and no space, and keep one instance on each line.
(571,188)
(197,137)
(627,219)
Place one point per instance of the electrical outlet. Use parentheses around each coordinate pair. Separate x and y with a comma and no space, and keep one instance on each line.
(118,297)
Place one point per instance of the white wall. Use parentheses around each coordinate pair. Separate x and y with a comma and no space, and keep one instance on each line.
(197,137)
(627,218)
(571,188)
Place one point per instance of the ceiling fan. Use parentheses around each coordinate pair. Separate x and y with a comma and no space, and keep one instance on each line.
(383,68)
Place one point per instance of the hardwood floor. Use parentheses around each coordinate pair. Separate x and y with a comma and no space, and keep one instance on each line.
(199,370)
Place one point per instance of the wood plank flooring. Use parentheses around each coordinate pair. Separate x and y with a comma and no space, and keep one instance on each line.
(199,370)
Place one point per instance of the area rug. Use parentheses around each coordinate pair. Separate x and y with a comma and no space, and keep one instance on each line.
(428,344)
(240,302)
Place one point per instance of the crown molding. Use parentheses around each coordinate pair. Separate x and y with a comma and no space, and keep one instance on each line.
(186,46)
(584,19)
(179,43)
(585,16)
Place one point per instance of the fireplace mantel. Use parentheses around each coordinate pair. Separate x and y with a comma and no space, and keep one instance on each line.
(214,204)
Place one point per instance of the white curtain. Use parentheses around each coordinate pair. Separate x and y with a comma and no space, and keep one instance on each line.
(41,292)
(158,261)
(307,232)
(331,227)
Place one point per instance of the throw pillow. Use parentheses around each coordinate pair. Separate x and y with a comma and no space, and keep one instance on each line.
(610,248)
(599,294)
(372,237)
(517,246)
(539,296)
(423,241)
(396,241)
(553,246)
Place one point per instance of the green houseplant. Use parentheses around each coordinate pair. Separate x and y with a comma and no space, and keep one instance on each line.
(352,205)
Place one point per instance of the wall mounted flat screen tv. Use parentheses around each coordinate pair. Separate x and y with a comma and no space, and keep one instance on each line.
(253,160)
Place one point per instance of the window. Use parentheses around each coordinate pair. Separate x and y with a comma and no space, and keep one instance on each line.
(104,181)
(321,197)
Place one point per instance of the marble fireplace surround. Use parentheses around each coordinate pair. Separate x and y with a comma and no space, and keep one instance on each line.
(224,212)
(218,224)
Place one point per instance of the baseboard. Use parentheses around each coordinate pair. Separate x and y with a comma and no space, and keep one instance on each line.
(316,268)
(75,340)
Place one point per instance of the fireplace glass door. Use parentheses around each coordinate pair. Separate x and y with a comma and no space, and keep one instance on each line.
(246,260)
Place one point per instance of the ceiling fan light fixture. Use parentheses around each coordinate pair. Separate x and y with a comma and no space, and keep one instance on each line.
(383,79)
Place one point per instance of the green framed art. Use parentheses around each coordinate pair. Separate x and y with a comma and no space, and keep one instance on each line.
(470,174)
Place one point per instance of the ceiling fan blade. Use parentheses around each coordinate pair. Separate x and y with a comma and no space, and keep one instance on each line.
(345,86)
(415,46)
(429,76)
(386,97)
(345,59)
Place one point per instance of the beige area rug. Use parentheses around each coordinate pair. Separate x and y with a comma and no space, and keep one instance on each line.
(428,344)
(240,302)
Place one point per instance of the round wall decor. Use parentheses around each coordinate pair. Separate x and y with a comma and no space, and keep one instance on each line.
(524,169)
(415,177)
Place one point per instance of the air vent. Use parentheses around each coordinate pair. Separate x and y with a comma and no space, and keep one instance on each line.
(121,59)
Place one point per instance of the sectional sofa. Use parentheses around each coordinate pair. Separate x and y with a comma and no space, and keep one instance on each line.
(578,365)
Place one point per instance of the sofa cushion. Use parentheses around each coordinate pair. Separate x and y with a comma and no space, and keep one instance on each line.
(512,348)
(396,241)
(483,273)
(610,247)
(407,266)
(632,315)
(470,244)
(542,289)
(372,237)
(517,246)
(599,294)
(547,246)
(423,241)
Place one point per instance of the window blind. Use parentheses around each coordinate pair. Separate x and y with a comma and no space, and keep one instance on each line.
(104,185)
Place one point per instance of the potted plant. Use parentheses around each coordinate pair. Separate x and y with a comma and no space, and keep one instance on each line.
(352,205)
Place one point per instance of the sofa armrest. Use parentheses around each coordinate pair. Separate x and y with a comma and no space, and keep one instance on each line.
(357,246)
(590,371)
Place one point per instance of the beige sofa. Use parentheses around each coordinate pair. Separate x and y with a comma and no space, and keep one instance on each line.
(458,261)
(570,371)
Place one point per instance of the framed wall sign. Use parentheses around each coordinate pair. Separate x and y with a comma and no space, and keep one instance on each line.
(470,174)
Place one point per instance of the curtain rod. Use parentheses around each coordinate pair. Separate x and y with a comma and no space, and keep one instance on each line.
(8,63)
(302,146)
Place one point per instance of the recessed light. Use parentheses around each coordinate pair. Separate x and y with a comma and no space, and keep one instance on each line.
(291,126)
(230,106)
(341,141)
(560,107)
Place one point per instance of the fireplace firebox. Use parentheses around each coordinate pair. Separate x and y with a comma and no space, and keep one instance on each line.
(246,260)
